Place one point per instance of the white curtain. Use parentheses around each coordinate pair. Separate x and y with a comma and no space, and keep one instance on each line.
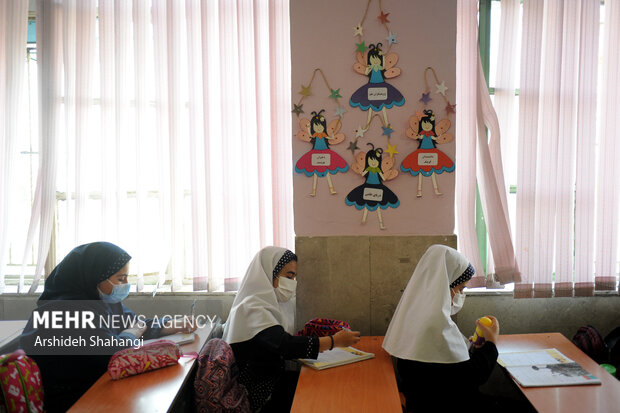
(13,28)
(479,158)
(161,130)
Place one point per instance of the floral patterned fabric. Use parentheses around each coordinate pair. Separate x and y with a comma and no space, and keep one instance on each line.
(216,386)
(152,356)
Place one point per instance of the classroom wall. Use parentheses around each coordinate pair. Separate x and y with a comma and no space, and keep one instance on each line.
(322,37)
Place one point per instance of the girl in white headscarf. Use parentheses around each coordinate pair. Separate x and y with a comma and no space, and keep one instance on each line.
(259,330)
(434,364)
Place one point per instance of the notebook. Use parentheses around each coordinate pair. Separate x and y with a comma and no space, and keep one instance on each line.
(543,368)
(179,338)
(337,357)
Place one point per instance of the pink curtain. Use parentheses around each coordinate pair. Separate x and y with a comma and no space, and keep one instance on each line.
(13,24)
(479,158)
(567,177)
(159,132)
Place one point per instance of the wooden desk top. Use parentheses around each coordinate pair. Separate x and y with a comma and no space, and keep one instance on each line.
(592,398)
(155,391)
(365,386)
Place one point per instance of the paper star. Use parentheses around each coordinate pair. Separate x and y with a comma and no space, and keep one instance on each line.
(359,132)
(297,109)
(391,38)
(450,108)
(441,88)
(383,18)
(335,94)
(391,149)
(353,146)
(340,111)
(361,47)
(305,91)
(426,97)
(387,131)
(358,30)
(419,114)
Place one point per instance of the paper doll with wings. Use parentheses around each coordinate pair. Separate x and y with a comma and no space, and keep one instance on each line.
(377,94)
(427,160)
(320,160)
(372,194)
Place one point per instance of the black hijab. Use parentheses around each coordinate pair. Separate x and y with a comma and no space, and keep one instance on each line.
(79,273)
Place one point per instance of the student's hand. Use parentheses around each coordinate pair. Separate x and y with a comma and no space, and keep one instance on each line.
(490,332)
(346,338)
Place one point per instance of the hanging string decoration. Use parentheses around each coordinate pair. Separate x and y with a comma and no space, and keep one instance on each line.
(373,195)
(320,161)
(378,64)
(427,160)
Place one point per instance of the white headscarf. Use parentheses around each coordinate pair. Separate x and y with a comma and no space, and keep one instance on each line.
(256,307)
(421,328)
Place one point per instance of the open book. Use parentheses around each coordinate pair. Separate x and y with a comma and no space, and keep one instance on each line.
(337,357)
(179,338)
(549,367)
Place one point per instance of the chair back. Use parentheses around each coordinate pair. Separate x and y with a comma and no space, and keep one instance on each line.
(216,388)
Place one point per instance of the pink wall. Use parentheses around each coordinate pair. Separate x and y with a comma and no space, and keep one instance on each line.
(322,37)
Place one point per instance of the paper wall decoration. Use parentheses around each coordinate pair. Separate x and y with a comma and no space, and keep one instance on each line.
(377,95)
(373,195)
(320,161)
(427,160)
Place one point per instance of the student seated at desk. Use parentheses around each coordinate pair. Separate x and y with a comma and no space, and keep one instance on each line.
(91,278)
(436,370)
(259,331)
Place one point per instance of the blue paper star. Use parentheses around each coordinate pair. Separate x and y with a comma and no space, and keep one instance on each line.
(387,131)
(426,97)
(391,38)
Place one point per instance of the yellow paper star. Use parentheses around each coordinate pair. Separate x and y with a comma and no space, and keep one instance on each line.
(305,91)
(358,30)
(391,149)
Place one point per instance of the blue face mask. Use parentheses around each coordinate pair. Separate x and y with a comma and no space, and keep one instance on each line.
(118,294)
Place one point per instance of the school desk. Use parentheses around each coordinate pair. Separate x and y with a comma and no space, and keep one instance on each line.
(155,391)
(365,386)
(564,399)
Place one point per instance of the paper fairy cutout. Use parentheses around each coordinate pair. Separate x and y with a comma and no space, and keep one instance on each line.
(427,160)
(377,94)
(372,195)
(321,161)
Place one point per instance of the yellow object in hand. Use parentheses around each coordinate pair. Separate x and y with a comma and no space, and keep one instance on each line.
(478,338)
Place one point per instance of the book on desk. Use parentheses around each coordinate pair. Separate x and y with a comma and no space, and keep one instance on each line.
(545,368)
(178,338)
(337,357)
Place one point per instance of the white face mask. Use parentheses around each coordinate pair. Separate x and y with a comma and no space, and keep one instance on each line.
(286,289)
(457,303)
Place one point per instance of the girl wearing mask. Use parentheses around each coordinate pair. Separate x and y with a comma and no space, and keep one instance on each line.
(434,364)
(91,279)
(260,326)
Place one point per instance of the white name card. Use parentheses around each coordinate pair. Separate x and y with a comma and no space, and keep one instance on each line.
(320,159)
(427,159)
(373,194)
(377,93)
